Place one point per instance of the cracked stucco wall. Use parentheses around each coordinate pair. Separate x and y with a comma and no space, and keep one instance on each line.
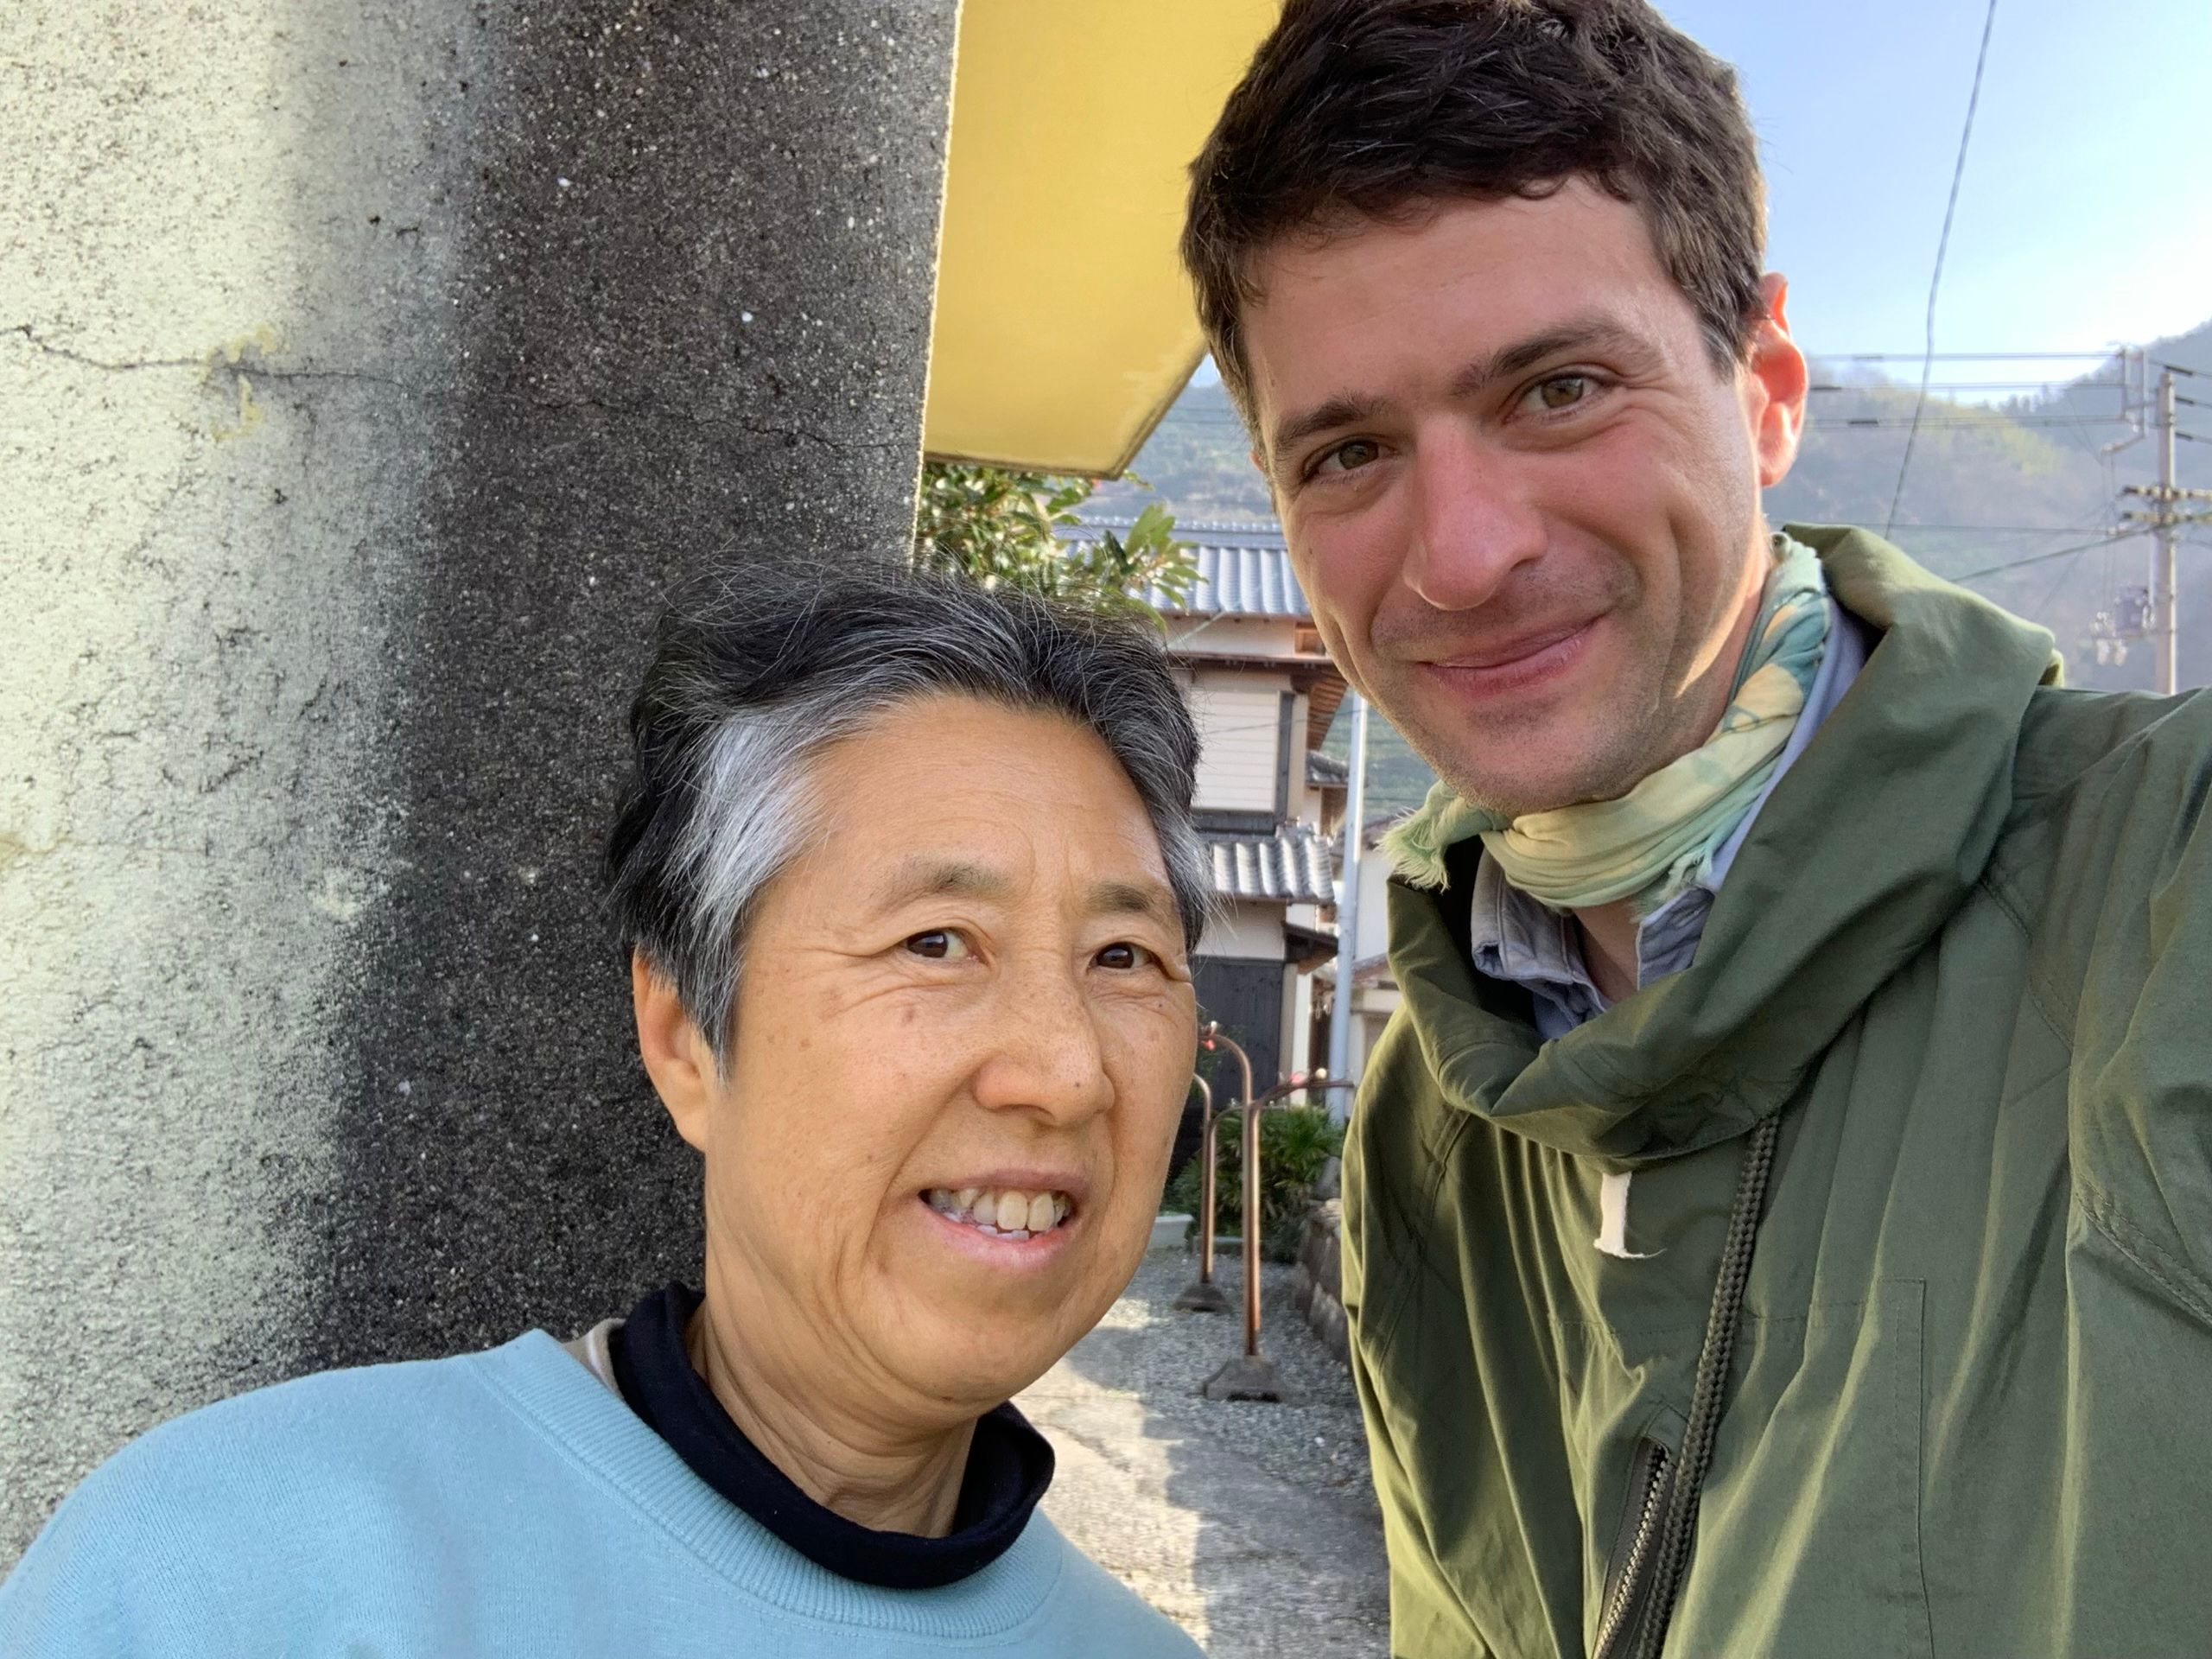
(366,371)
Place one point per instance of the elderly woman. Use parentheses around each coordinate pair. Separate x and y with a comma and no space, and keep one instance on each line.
(908,883)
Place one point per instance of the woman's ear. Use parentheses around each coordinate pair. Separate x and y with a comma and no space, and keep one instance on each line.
(676,1054)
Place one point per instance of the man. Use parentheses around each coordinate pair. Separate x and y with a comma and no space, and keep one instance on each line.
(1780,1220)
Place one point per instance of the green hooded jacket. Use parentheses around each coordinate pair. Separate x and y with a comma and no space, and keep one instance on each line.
(1965,955)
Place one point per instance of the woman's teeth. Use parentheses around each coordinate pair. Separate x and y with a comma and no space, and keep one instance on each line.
(1003,1212)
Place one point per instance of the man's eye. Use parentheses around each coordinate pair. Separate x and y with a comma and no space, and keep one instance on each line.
(1124,956)
(939,945)
(1350,456)
(1562,391)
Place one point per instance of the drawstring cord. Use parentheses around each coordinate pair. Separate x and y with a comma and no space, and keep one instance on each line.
(1679,1524)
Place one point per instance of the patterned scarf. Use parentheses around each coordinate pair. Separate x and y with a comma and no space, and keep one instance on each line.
(1659,838)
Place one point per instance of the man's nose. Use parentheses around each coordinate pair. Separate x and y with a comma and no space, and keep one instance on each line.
(1046,1057)
(1473,522)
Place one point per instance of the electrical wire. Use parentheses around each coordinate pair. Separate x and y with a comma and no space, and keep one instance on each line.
(1950,357)
(1942,243)
(1992,422)
(2044,558)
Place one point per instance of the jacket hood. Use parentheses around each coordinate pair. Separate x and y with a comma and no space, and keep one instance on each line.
(1867,845)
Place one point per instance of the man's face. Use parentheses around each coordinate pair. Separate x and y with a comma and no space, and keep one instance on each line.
(1522,500)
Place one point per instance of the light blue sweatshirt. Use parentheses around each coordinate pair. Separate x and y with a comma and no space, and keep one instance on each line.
(498,1503)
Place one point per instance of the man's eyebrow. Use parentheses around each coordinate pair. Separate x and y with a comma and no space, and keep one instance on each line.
(1324,416)
(1576,334)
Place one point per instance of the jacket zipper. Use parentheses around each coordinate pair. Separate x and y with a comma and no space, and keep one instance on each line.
(1629,1567)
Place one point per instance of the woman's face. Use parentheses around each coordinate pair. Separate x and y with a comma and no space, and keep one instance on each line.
(964,1033)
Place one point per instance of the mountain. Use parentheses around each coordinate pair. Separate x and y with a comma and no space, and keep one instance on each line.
(1989,486)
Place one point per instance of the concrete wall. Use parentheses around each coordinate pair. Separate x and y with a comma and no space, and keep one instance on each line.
(369,370)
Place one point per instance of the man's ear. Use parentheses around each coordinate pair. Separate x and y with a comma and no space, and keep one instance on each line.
(1774,380)
(676,1054)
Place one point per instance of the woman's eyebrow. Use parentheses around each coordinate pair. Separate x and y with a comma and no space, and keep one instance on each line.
(1146,898)
(932,878)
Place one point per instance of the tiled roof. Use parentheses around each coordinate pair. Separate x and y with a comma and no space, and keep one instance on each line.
(1326,770)
(1290,866)
(1243,570)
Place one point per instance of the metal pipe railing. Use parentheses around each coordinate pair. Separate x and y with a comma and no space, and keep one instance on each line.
(1202,1295)
(1249,1377)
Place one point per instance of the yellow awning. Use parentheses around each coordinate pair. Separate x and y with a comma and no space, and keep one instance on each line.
(1063,325)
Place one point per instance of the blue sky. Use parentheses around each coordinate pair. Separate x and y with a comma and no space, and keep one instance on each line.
(2083,220)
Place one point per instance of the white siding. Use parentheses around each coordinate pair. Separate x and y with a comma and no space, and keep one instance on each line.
(1236,636)
(1301,1026)
(1239,721)
(1374,903)
(1252,933)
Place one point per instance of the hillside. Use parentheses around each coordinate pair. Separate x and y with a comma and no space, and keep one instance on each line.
(1989,485)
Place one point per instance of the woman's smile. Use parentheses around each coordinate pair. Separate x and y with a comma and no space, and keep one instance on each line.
(976,1236)
(1001,1211)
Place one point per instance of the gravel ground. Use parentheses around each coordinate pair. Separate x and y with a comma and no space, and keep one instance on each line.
(1250,1524)
(1313,1439)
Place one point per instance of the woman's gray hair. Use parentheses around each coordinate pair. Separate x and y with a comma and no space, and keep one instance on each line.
(755,674)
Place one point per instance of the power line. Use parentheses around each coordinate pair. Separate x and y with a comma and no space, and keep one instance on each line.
(2016,530)
(1942,243)
(1991,422)
(1950,357)
(2044,558)
(1974,386)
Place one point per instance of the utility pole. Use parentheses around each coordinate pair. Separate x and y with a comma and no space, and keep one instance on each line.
(2166,516)
(2169,546)
(1348,912)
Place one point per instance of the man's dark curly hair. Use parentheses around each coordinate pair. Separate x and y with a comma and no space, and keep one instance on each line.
(1357,110)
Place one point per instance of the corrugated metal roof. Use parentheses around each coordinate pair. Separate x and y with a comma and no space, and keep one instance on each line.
(1291,867)
(1243,570)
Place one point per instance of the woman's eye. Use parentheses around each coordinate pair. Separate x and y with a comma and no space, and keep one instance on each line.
(940,944)
(1124,956)
(1350,456)
(1562,391)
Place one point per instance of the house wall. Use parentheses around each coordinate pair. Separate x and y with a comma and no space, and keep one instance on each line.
(1235,636)
(1304,801)
(1240,723)
(1249,933)
(1374,922)
(1372,1007)
(1302,1057)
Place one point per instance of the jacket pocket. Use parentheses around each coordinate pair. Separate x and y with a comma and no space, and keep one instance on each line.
(1808,1533)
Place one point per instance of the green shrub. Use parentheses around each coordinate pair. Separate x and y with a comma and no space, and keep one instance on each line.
(1294,1143)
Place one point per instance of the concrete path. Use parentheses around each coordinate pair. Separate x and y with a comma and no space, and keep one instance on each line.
(1252,1565)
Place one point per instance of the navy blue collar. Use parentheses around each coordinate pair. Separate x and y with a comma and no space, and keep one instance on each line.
(1009,1466)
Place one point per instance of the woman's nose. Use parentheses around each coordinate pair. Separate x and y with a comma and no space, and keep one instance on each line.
(1045,1054)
